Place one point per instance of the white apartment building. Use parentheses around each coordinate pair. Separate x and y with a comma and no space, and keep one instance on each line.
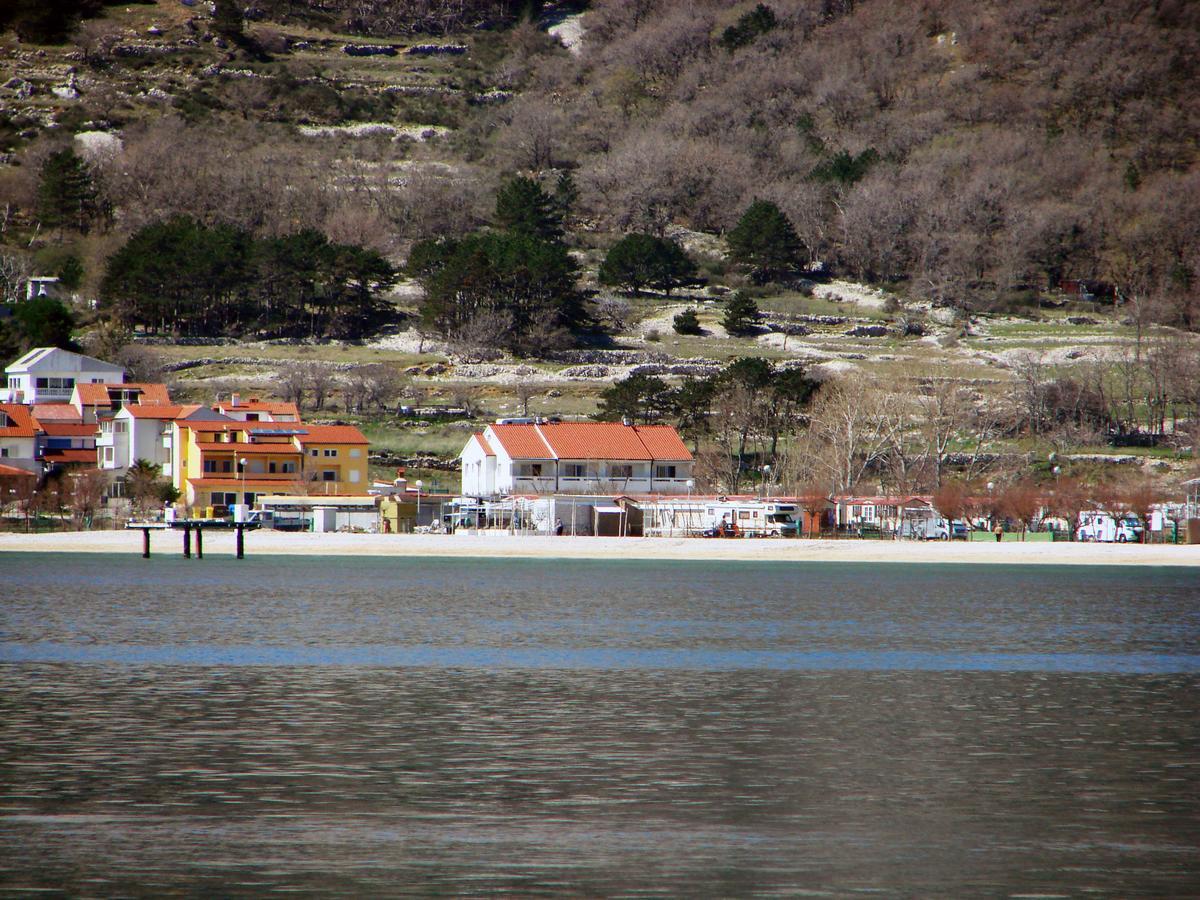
(532,457)
(50,375)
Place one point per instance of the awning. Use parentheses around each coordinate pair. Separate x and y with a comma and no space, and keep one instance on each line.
(609,509)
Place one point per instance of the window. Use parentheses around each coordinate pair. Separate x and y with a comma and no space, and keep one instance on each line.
(575,470)
(120,427)
(313,452)
(223,498)
(108,454)
(329,452)
(622,470)
(329,475)
(251,417)
(4,451)
(287,467)
(5,421)
(56,384)
(354,476)
(664,471)
(355,453)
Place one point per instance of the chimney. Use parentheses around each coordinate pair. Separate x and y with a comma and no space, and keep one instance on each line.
(233,399)
(626,421)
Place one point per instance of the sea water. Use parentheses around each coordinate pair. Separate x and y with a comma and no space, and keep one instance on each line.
(366,726)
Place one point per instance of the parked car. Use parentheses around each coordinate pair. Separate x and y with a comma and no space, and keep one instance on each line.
(959,531)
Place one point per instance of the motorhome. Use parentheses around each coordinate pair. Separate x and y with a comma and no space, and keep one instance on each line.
(1104,528)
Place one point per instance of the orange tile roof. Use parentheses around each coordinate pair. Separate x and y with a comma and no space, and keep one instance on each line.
(326,434)
(522,441)
(68,429)
(22,422)
(591,440)
(60,412)
(99,395)
(76,455)
(156,410)
(487,448)
(239,447)
(93,394)
(237,481)
(275,407)
(152,393)
(662,442)
(13,472)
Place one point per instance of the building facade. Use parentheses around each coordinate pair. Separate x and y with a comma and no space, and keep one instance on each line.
(530,457)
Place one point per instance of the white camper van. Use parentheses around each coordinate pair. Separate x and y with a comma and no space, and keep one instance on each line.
(1102,527)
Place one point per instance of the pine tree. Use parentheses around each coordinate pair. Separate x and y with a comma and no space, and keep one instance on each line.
(638,260)
(741,313)
(566,194)
(523,208)
(67,195)
(765,240)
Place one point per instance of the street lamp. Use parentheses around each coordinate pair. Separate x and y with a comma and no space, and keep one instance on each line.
(242,475)
(767,480)
(420,484)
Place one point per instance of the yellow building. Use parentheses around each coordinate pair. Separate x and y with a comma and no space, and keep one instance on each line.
(218,464)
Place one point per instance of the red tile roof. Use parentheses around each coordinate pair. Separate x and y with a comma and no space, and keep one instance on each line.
(68,429)
(20,422)
(56,412)
(283,447)
(14,472)
(591,440)
(70,456)
(275,407)
(487,448)
(327,434)
(522,441)
(662,442)
(99,394)
(156,410)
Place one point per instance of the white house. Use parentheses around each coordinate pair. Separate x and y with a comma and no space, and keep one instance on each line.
(49,375)
(19,433)
(532,457)
(143,431)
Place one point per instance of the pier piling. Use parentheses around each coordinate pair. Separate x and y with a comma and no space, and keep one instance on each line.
(145,543)
(241,544)
(187,542)
(199,542)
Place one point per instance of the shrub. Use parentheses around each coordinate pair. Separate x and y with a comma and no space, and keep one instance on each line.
(687,322)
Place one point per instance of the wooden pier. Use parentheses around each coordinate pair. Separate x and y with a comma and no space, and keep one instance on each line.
(188,526)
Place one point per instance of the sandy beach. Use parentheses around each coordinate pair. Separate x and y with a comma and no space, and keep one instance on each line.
(519,547)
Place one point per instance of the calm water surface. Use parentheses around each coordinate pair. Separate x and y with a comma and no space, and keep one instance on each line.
(374,726)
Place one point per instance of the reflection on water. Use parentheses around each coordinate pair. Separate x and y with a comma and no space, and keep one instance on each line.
(440,727)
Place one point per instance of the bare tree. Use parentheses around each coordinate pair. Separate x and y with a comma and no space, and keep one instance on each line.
(87,493)
(14,271)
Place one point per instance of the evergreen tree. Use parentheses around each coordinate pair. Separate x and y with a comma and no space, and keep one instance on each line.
(687,322)
(67,196)
(227,19)
(523,208)
(643,399)
(521,284)
(741,314)
(638,260)
(765,240)
(44,322)
(566,194)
